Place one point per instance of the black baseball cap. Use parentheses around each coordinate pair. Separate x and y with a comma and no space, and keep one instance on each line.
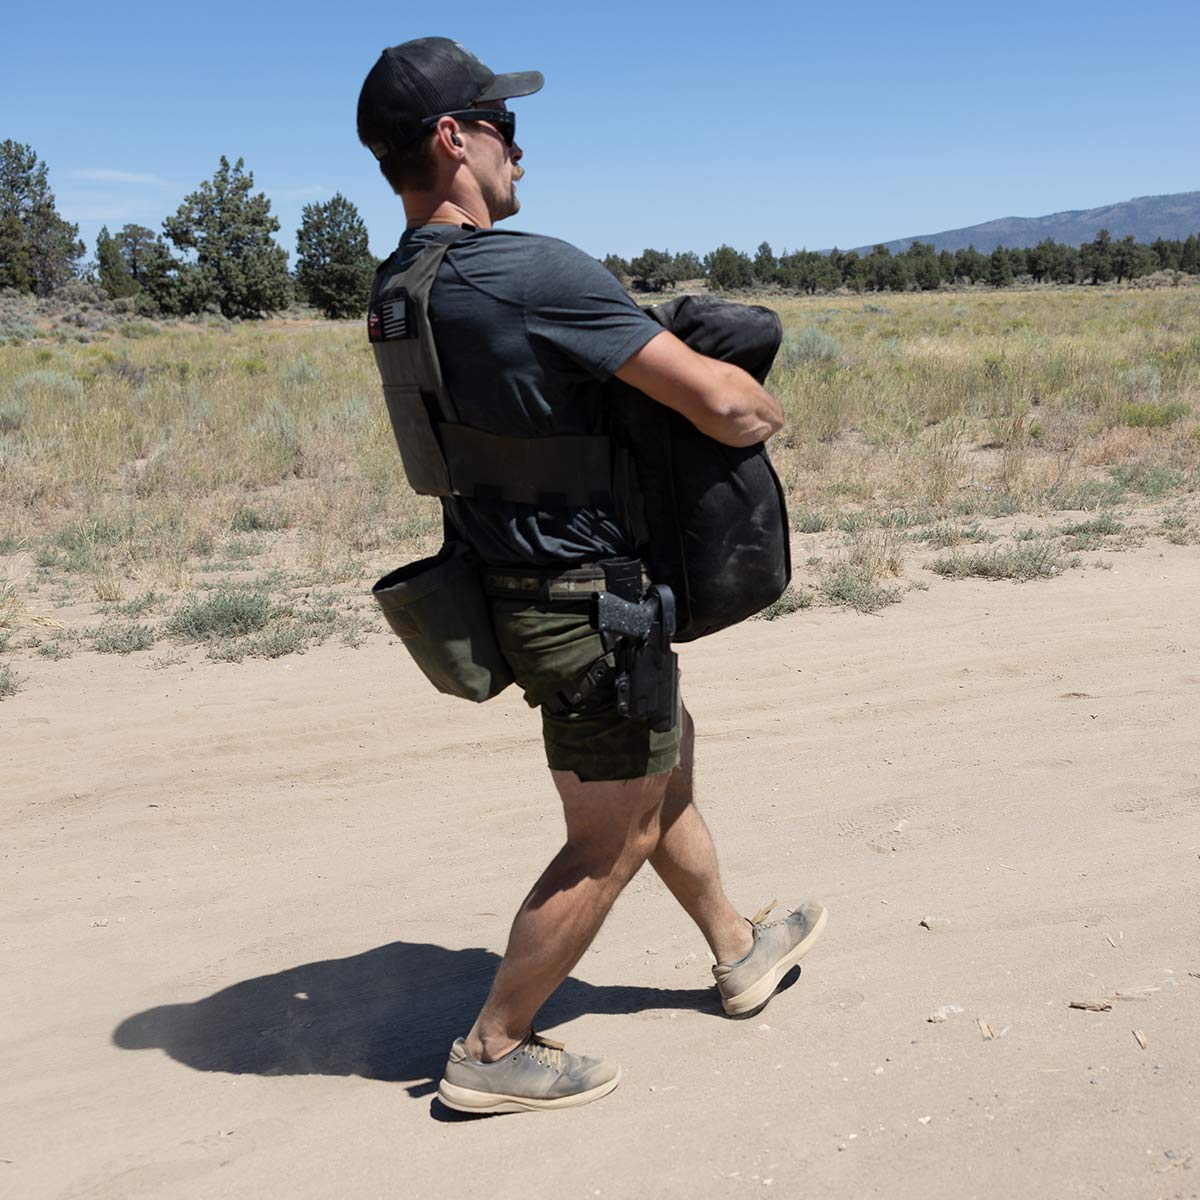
(425,78)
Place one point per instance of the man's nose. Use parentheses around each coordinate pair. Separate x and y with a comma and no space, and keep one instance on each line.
(516,153)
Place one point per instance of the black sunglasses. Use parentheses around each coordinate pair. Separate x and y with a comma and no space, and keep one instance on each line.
(504,121)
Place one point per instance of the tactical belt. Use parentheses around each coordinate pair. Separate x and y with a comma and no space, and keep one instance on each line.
(535,584)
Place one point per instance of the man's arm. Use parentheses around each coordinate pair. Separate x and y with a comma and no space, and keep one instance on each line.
(720,399)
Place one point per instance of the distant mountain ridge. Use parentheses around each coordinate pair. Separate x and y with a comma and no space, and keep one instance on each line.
(1145,217)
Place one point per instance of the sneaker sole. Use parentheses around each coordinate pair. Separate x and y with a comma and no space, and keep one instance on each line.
(759,993)
(468,1100)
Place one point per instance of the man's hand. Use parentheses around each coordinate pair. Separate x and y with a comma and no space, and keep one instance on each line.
(720,399)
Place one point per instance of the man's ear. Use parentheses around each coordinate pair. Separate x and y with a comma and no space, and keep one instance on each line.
(447,134)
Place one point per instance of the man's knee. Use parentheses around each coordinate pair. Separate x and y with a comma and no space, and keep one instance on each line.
(613,828)
(615,851)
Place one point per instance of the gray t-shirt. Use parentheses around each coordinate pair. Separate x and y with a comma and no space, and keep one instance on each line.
(528,329)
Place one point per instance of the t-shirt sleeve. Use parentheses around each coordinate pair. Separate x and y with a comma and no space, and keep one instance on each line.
(575,307)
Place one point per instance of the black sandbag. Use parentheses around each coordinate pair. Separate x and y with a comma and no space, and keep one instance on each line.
(715,525)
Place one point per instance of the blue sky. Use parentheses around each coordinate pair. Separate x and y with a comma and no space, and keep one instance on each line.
(672,125)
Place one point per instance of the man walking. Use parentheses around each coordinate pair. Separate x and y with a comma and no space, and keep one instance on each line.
(528,330)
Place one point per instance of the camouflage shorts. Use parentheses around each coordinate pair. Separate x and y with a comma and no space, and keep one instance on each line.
(549,647)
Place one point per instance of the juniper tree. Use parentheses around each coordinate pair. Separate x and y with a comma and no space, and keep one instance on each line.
(237,266)
(1189,255)
(807,271)
(617,265)
(969,264)
(766,265)
(115,277)
(334,264)
(1096,257)
(999,268)
(16,262)
(728,269)
(926,270)
(1131,259)
(686,265)
(651,271)
(39,250)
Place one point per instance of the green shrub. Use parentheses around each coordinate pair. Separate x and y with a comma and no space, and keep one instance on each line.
(276,640)
(1143,380)
(138,329)
(139,605)
(1150,479)
(252,520)
(807,346)
(12,417)
(279,639)
(791,601)
(239,549)
(855,587)
(1021,563)
(55,650)
(1149,414)
(945,536)
(10,682)
(227,612)
(16,317)
(1088,495)
(302,372)
(89,532)
(809,520)
(1104,525)
(854,520)
(122,639)
(48,383)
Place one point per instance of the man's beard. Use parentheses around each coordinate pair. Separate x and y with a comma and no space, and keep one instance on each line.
(503,203)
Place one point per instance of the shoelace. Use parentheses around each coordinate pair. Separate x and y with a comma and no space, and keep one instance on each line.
(544,1050)
(759,919)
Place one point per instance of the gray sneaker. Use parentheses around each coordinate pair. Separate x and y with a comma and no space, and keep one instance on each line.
(747,985)
(537,1074)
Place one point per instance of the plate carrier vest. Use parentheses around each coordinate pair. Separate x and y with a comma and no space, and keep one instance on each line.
(710,520)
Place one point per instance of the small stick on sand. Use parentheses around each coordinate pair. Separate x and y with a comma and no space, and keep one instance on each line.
(1091,1005)
(1140,1038)
(985,1029)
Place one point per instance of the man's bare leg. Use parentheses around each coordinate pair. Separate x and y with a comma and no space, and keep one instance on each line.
(686,861)
(611,829)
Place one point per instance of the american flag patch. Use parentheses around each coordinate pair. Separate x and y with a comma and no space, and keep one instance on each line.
(389,319)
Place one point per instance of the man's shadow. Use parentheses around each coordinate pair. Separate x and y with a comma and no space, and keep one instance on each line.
(388,1013)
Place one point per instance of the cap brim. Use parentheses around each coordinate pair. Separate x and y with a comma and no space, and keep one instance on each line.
(516,83)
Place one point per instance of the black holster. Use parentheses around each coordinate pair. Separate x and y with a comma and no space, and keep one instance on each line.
(637,630)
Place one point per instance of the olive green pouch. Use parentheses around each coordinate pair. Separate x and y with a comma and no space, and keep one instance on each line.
(438,608)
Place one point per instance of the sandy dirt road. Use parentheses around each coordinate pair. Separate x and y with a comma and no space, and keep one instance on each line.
(247,908)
